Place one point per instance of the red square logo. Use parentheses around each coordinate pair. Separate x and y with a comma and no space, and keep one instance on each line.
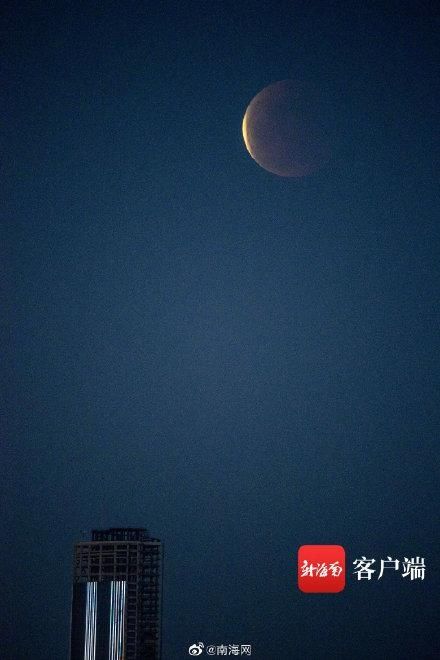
(321,569)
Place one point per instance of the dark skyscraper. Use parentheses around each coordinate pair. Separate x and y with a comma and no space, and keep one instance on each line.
(117,596)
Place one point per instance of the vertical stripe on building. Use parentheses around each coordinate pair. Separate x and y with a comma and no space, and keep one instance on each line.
(117,612)
(90,628)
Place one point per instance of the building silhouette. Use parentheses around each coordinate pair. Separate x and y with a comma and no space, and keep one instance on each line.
(117,596)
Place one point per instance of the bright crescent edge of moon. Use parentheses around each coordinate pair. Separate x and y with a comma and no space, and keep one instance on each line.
(245,133)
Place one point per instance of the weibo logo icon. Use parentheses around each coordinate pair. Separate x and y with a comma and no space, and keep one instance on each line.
(196,649)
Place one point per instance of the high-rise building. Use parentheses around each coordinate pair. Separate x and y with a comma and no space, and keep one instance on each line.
(117,596)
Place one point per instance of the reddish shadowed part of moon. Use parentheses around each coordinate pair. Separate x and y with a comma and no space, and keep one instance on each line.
(284,129)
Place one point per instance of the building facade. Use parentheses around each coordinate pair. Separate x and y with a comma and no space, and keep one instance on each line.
(117,596)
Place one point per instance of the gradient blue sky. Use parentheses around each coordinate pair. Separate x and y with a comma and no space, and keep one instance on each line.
(241,363)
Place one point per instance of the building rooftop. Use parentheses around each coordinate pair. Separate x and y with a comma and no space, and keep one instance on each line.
(121,534)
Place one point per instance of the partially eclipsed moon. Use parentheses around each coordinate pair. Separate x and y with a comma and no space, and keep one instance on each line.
(284,129)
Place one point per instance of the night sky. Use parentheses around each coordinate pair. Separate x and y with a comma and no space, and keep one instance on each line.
(240,362)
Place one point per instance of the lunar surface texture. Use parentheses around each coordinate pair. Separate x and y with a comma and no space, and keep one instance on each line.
(284,129)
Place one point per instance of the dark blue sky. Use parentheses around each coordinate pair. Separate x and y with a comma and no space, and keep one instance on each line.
(240,362)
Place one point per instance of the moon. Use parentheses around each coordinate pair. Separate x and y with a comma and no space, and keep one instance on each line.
(284,129)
